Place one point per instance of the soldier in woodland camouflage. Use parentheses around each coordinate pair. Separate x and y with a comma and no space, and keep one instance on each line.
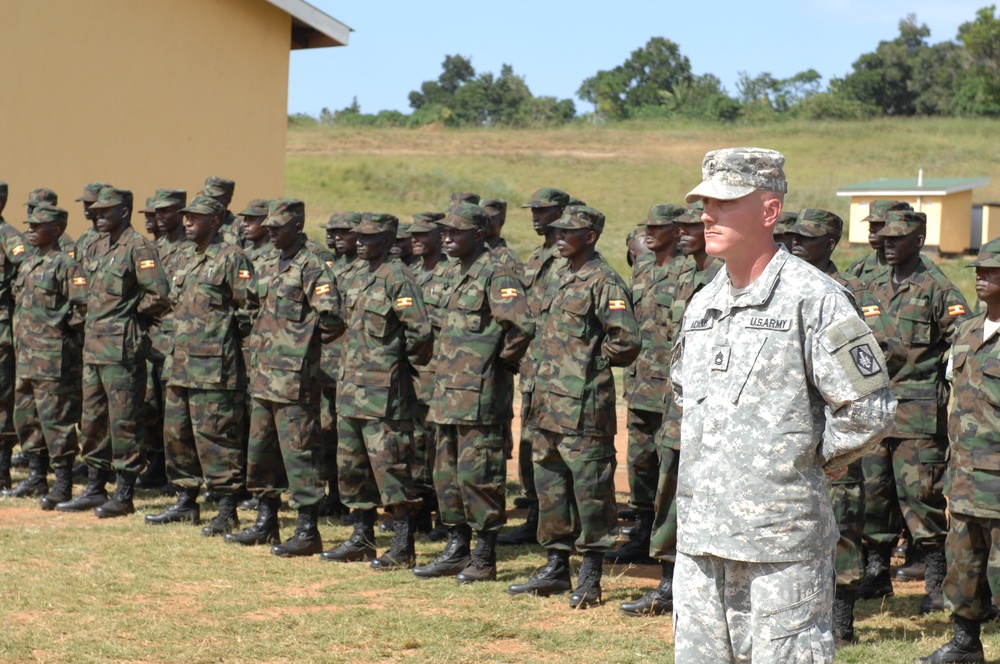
(51,303)
(866,268)
(222,190)
(127,295)
(589,328)
(780,381)
(497,209)
(388,334)
(924,308)
(204,374)
(299,310)
(459,197)
(787,220)
(972,481)
(89,196)
(12,252)
(484,329)
(636,246)
(45,196)
(546,205)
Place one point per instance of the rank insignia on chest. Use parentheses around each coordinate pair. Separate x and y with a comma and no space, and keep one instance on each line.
(956,310)
(243,274)
(616,305)
(18,250)
(864,360)
(508,292)
(720,358)
(147,264)
(404,301)
(871,310)
(79,281)
(322,289)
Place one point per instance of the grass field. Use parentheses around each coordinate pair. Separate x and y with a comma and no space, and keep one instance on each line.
(80,590)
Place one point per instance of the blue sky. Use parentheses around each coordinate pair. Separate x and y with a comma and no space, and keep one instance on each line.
(556,44)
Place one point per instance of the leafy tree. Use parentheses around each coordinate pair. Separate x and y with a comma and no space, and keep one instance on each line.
(456,70)
(979,92)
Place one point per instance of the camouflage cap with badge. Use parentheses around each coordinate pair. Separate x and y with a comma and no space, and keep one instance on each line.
(281,211)
(169,198)
(548,197)
(986,259)
(466,216)
(216,186)
(255,208)
(813,222)
(665,214)
(733,173)
(343,221)
(204,205)
(425,222)
(464,197)
(902,222)
(91,191)
(47,214)
(580,216)
(112,196)
(42,195)
(878,208)
(373,223)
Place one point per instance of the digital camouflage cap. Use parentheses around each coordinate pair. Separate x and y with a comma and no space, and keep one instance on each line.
(986,259)
(580,216)
(91,191)
(373,223)
(425,222)
(255,208)
(878,208)
(281,211)
(548,197)
(736,172)
(813,222)
(664,214)
(42,195)
(204,205)
(464,197)
(343,221)
(46,213)
(216,186)
(169,197)
(902,222)
(112,196)
(466,216)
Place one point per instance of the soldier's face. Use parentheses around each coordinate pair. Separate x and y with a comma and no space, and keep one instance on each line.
(200,228)
(988,284)
(168,219)
(3,203)
(427,244)
(571,242)
(151,226)
(874,239)
(283,237)
(496,224)
(87,213)
(374,247)
(813,250)
(692,239)
(657,238)
(44,234)
(252,228)
(461,243)
(403,247)
(900,250)
(542,217)
(733,226)
(111,219)
(345,242)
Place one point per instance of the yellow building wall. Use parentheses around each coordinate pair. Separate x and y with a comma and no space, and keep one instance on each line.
(956,222)
(143,94)
(949,219)
(991,223)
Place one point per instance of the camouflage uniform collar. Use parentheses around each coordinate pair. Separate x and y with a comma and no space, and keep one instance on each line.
(297,253)
(757,293)
(482,261)
(586,270)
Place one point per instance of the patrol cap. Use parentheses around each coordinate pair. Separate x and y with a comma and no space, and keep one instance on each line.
(216,186)
(343,221)
(204,205)
(902,222)
(403,231)
(573,200)
(580,216)
(425,222)
(813,222)
(255,208)
(548,197)
(736,172)
(150,205)
(112,196)
(465,216)
(373,223)
(664,214)
(169,197)
(986,259)
(696,209)
(281,211)
(992,245)
(785,221)
(42,195)
(878,208)
(465,197)
(91,191)
(46,213)
(493,206)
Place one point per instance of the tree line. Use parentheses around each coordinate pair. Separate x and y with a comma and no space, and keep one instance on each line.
(906,76)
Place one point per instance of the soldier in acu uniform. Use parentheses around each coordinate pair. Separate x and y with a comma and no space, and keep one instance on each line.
(51,303)
(11,253)
(589,328)
(128,295)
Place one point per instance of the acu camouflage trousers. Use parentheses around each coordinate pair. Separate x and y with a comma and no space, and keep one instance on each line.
(972,550)
(282,451)
(111,436)
(202,438)
(575,481)
(470,474)
(643,458)
(375,459)
(46,413)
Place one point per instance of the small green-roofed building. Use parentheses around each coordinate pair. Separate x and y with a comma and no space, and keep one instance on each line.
(947,202)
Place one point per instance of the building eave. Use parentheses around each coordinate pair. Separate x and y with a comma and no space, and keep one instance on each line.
(914,191)
(312,28)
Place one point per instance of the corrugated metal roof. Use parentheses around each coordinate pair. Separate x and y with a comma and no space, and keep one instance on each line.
(908,186)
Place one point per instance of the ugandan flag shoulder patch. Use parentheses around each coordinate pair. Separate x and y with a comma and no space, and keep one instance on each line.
(871,310)
(508,292)
(956,310)
(18,250)
(147,264)
(322,289)
(616,305)
(404,301)
(79,281)
(243,274)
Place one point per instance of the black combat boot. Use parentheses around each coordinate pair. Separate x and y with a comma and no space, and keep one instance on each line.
(265,528)
(636,550)
(19,460)
(36,484)
(226,520)
(439,531)
(965,646)
(526,533)
(877,581)
(655,602)
(155,474)
(401,554)
(330,505)
(250,504)
(121,503)
(61,491)
(5,453)
(843,616)
(94,495)
(483,561)
(933,578)
(453,559)
(360,546)
(305,541)
(551,579)
(185,509)
(588,581)
(913,567)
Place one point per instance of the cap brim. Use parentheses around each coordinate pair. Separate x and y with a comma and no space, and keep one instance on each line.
(85,199)
(274,222)
(539,204)
(718,191)
(424,227)
(804,231)
(98,205)
(371,228)
(251,213)
(567,224)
